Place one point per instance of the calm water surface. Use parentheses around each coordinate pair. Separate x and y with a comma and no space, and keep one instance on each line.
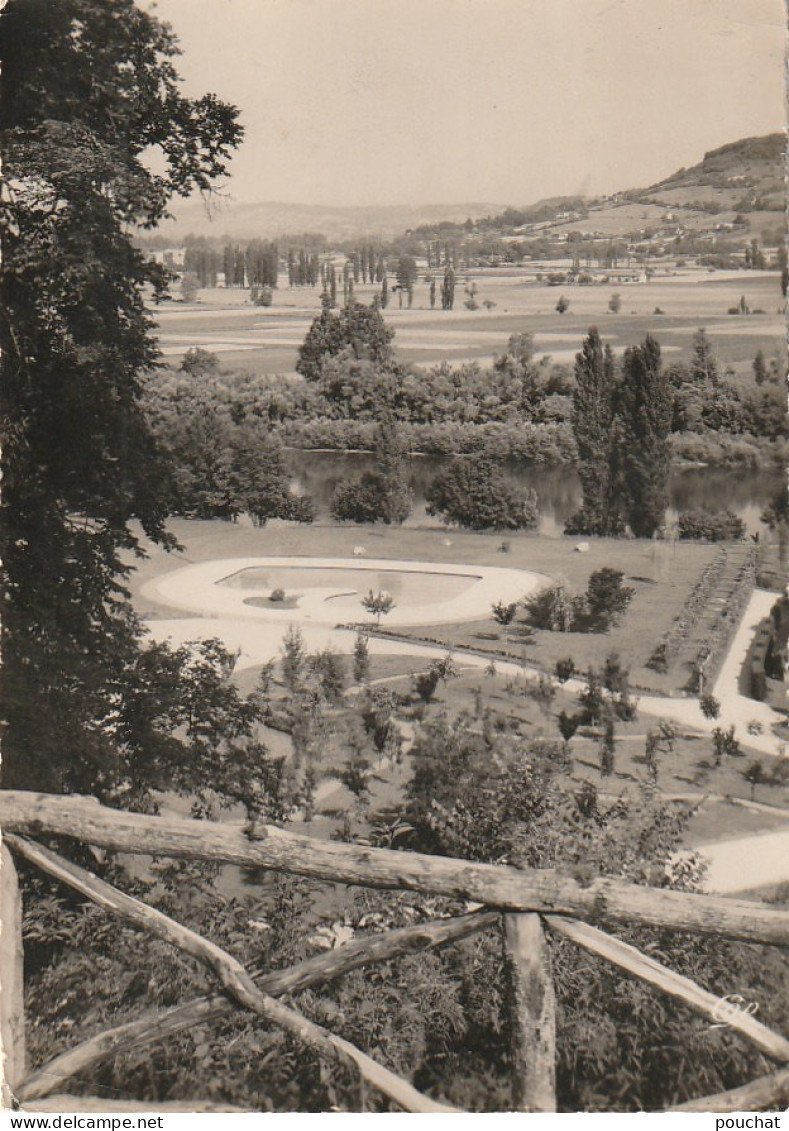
(746,493)
(408,587)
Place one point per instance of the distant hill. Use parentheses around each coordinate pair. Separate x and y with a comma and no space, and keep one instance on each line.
(744,176)
(274,219)
(738,187)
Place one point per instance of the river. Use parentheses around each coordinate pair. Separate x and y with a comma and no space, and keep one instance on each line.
(557,488)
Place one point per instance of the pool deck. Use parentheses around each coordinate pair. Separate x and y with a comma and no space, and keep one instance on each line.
(197,589)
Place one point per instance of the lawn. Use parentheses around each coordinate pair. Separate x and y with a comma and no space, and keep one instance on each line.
(686,771)
(687,774)
(662,574)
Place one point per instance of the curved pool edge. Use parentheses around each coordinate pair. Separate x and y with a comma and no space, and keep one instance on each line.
(195,589)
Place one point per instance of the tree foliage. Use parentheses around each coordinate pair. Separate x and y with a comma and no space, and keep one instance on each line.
(596,437)
(645,399)
(88,87)
(378,604)
(710,526)
(607,599)
(474,492)
(622,427)
(382,495)
(556,609)
(358,328)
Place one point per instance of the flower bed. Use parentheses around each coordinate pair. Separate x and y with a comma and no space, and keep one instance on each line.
(712,650)
(668,648)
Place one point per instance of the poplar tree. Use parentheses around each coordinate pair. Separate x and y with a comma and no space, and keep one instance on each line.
(645,414)
(595,436)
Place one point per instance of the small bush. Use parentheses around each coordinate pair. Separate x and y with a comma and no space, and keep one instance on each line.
(568,725)
(425,684)
(277,595)
(551,608)
(710,707)
(261,296)
(504,614)
(708,526)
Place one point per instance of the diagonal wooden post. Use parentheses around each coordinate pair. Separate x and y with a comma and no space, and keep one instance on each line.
(12,1007)
(532,1014)
(233,976)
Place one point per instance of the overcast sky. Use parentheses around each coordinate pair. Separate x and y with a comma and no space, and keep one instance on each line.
(500,101)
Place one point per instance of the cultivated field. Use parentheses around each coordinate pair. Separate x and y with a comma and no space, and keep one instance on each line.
(267,340)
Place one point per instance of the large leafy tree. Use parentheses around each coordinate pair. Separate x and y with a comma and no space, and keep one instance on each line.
(89,89)
(474,492)
(356,328)
(382,495)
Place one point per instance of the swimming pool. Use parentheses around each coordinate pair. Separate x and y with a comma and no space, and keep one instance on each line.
(413,588)
(329,591)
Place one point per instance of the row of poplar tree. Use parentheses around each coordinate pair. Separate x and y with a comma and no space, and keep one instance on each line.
(257,265)
(622,424)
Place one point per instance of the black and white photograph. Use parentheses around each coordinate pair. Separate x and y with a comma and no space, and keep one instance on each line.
(395,540)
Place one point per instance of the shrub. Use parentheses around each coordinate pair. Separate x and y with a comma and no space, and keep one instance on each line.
(329,670)
(709,526)
(425,684)
(475,493)
(367,498)
(551,608)
(568,725)
(261,296)
(710,707)
(277,595)
(606,597)
(504,614)
(725,744)
(591,699)
(581,523)
(564,669)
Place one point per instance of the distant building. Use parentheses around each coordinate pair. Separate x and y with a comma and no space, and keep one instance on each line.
(173,257)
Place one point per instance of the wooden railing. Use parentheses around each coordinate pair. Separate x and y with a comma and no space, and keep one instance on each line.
(523,902)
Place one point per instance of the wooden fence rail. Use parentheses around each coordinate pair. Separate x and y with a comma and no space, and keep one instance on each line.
(231,974)
(522,902)
(511,889)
